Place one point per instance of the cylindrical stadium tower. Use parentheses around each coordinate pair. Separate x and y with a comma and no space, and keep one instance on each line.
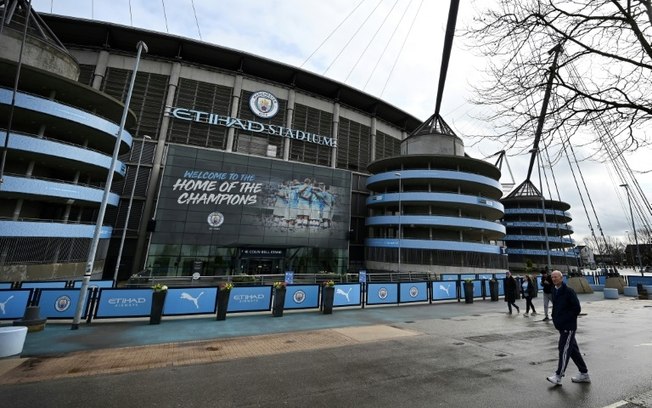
(434,209)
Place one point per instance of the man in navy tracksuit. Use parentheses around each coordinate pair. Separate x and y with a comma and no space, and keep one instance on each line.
(565,309)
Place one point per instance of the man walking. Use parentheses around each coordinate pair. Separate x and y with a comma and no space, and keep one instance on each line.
(546,282)
(566,308)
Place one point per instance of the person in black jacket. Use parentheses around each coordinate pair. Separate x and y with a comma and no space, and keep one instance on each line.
(546,283)
(511,292)
(529,292)
(566,307)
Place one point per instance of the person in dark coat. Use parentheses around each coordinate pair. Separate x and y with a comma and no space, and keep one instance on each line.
(511,292)
(566,307)
(546,283)
(529,292)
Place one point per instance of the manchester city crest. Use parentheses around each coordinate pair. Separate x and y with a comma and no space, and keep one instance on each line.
(215,219)
(263,104)
(62,303)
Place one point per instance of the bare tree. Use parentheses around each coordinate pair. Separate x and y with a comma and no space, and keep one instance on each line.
(603,86)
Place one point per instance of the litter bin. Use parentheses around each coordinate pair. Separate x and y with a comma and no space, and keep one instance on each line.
(493,290)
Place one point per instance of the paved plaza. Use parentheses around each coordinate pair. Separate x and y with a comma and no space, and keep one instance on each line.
(446,355)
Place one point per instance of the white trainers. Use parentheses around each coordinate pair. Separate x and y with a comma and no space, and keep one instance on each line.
(525,315)
(555,379)
(581,378)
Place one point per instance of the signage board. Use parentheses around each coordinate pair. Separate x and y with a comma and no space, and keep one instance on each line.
(258,204)
(187,301)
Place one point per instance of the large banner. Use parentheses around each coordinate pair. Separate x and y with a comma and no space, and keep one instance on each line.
(226,199)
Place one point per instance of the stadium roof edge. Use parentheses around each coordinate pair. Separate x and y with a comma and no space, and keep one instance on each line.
(80,32)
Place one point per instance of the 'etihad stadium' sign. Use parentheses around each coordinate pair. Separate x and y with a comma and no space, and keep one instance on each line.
(192,115)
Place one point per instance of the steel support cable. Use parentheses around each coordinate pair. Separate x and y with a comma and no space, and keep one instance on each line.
(165,17)
(588,195)
(391,71)
(352,37)
(389,13)
(579,190)
(577,77)
(391,37)
(331,33)
(131,16)
(192,2)
(618,162)
(554,182)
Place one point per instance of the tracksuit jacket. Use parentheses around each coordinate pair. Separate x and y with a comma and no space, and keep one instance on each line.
(566,307)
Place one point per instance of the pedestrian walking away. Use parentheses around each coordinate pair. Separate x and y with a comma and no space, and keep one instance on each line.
(546,283)
(511,292)
(566,308)
(529,292)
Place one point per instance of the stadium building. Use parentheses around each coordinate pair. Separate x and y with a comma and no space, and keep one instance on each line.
(238,164)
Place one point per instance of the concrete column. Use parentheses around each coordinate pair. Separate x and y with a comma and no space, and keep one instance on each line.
(336,127)
(100,69)
(173,82)
(288,123)
(235,103)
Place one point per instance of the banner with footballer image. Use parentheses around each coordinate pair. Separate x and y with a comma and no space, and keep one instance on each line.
(226,199)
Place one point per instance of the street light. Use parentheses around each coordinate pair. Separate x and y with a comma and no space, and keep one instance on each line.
(631,215)
(400,225)
(131,200)
(92,251)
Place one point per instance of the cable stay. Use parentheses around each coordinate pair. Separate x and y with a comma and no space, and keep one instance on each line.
(621,166)
(502,158)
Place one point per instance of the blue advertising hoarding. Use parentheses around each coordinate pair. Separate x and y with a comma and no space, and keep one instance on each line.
(444,290)
(43,284)
(60,303)
(347,295)
(94,284)
(250,298)
(124,303)
(187,301)
(302,296)
(413,292)
(382,293)
(13,303)
(5,285)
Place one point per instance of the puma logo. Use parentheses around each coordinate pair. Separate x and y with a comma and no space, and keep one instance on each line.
(2,304)
(187,296)
(445,288)
(343,293)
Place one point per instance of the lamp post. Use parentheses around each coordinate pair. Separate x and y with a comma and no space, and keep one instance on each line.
(400,225)
(92,251)
(131,200)
(631,215)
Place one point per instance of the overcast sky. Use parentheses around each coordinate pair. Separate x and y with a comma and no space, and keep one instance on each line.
(390,49)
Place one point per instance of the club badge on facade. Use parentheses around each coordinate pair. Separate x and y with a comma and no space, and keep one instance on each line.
(263,104)
(215,219)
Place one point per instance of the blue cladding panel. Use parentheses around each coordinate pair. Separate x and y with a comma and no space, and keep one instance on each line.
(24,185)
(50,229)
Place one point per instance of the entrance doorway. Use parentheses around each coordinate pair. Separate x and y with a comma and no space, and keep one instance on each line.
(255,266)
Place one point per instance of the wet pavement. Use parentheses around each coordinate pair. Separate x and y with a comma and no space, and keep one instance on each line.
(445,354)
